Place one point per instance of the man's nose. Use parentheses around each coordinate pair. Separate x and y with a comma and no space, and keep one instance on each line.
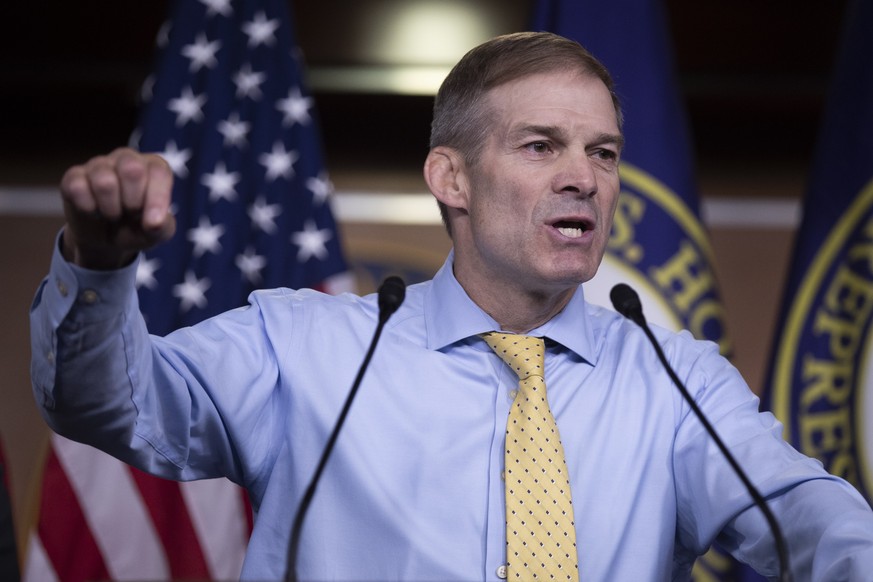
(577,176)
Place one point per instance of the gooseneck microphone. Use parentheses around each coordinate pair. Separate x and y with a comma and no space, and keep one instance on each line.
(627,303)
(391,295)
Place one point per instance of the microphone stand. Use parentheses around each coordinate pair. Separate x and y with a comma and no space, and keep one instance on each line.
(391,295)
(627,302)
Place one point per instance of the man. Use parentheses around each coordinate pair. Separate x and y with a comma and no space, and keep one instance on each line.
(524,160)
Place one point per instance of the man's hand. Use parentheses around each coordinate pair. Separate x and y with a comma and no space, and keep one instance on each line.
(116,206)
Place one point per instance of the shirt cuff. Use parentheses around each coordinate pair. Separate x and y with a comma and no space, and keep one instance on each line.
(91,292)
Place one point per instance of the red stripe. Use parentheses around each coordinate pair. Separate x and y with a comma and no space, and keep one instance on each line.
(247,510)
(62,528)
(169,513)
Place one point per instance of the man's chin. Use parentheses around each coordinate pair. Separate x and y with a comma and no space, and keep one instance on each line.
(563,282)
(570,275)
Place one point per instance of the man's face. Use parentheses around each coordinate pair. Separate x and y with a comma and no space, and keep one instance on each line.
(543,192)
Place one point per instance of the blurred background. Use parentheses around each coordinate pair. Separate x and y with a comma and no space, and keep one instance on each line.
(752,75)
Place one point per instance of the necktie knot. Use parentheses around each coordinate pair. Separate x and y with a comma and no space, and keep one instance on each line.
(523,353)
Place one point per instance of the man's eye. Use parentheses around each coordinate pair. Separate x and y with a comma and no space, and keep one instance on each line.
(538,147)
(606,154)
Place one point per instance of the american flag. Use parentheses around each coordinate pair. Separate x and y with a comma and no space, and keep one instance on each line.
(228,109)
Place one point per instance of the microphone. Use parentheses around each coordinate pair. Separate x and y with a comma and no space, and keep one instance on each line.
(391,295)
(627,303)
(392,292)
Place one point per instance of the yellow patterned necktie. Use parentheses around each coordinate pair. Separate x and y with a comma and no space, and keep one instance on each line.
(540,531)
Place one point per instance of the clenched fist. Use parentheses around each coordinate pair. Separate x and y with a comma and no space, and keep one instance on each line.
(116,206)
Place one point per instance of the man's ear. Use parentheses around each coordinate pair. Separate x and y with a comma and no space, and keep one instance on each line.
(444,172)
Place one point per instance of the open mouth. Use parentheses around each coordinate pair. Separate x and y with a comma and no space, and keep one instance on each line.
(571,229)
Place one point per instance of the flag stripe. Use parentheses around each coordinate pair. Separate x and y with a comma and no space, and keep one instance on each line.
(214,512)
(105,490)
(173,525)
(67,543)
(215,508)
(37,565)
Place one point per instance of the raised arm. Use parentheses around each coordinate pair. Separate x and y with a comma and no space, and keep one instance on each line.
(193,404)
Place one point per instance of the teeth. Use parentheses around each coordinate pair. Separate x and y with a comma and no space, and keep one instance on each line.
(570,232)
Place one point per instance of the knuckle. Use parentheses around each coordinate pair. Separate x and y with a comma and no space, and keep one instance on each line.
(73,180)
(75,190)
(103,183)
(121,151)
(129,162)
(97,162)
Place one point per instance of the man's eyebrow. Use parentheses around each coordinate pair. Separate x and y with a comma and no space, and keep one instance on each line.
(545,130)
(611,138)
(558,133)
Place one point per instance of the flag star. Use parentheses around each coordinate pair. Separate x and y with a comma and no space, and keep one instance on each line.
(192,291)
(234,130)
(321,187)
(295,107)
(248,82)
(311,241)
(205,237)
(260,30)
(145,273)
(201,53)
(221,183)
(146,92)
(250,264)
(214,7)
(178,159)
(279,162)
(164,34)
(263,215)
(187,107)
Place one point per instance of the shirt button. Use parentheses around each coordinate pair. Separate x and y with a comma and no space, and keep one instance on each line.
(50,357)
(513,394)
(501,572)
(503,475)
(89,296)
(62,289)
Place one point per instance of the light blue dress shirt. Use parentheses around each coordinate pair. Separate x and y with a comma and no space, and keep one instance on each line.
(414,488)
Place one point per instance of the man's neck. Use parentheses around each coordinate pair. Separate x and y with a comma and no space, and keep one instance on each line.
(516,309)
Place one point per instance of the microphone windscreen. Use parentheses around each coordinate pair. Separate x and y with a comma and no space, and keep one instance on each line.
(391,295)
(625,300)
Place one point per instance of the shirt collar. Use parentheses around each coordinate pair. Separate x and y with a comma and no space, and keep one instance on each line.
(572,328)
(449,313)
(451,316)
